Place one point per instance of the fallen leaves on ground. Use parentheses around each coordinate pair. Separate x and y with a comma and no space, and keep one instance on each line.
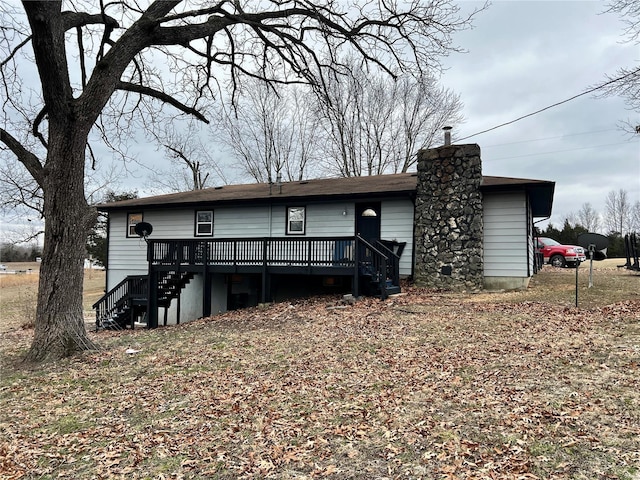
(423,385)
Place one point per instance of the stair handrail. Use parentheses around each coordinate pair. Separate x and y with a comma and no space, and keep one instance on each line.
(113,298)
(394,264)
(381,270)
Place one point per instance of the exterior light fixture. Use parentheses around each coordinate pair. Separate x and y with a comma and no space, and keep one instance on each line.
(344,212)
(369,212)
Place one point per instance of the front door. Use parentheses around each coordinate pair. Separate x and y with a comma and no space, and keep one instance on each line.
(368,221)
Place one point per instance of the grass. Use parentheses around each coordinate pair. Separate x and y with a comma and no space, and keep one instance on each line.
(18,295)
(514,385)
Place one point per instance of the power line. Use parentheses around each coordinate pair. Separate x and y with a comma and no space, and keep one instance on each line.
(555,151)
(548,138)
(591,90)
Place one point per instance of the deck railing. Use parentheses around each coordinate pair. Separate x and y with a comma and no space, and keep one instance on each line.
(306,251)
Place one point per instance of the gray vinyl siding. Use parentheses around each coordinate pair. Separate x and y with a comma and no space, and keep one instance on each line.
(327,220)
(505,235)
(190,303)
(397,224)
(127,256)
(241,222)
(530,247)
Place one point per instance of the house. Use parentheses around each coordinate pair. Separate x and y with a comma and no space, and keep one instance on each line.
(222,248)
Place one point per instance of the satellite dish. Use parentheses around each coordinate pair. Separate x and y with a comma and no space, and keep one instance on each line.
(143,229)
(594,243)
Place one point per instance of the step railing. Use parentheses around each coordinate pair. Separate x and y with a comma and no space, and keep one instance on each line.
(393,263)
(120,298)
(373,263)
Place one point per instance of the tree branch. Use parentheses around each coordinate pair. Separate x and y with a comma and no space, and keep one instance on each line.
(28,159)
(80,19)
(14,51)
(106,35)
(150,92)
(36,126)
(83,67)
(48,44)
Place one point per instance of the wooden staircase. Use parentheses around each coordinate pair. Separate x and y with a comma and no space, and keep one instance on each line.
(126,303)
(379,269)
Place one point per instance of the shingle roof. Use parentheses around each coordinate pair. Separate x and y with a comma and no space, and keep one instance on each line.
(401,184)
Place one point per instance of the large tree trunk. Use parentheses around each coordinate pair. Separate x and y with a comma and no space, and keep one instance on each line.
(59,325)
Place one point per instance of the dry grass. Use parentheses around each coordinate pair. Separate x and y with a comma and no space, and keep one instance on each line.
(426,385)
(18,294)
(558,286)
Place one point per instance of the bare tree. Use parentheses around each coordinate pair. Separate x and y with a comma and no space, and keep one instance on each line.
(626,81)
(193,164)
(132,61)
(342,112)
(303,162)
(617,212)
(21,201)
(375,125)
(422,108)
(588,218)
(635,217)
(270,131)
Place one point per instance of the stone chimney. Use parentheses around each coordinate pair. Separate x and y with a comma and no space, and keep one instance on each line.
(448,218)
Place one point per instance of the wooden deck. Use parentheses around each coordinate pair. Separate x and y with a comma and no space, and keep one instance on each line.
(172,260)
(232,255)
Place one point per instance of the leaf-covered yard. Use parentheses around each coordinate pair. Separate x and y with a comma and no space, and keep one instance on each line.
(423,385)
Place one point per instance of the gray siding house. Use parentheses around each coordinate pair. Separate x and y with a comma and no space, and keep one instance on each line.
(238,245)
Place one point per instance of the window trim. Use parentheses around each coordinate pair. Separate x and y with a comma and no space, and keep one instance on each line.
(130,232)
(288,211)
(196,224)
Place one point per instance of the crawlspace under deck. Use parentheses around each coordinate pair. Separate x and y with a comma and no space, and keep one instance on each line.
(374,269)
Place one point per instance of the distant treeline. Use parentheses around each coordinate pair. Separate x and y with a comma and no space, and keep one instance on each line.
(569,236)
(19,253)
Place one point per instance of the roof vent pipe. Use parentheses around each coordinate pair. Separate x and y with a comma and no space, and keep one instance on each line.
(447,135)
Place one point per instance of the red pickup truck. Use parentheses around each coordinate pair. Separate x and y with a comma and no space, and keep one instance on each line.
(559,255)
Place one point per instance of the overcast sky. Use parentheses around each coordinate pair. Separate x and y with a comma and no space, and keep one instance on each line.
(524,56)
(521,57)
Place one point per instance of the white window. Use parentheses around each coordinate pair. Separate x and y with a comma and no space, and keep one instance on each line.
(204,223)
(132,220)
(296,220)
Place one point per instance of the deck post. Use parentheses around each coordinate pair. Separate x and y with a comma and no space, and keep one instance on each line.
(179,292)
(206,294)
(265,274)
(152,299)
(356,266)
(178,306)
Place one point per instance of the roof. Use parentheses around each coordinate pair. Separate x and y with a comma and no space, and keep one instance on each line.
(328,189)
(540,191)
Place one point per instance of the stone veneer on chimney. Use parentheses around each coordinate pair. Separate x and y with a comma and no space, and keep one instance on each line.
(448,218)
